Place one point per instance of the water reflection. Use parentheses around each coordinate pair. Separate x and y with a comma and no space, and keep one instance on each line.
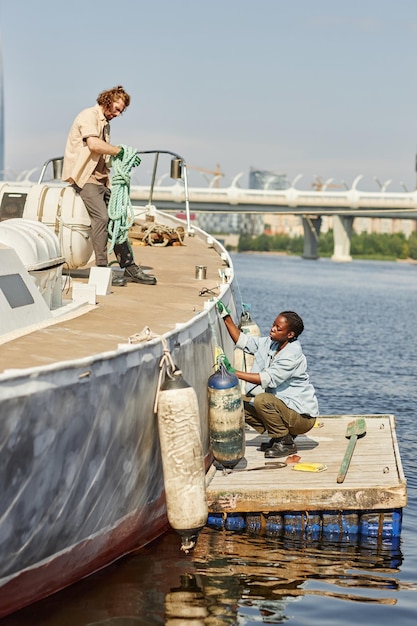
(268,573)
(230,578)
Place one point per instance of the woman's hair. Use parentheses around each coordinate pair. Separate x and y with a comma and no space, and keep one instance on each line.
(106,98)
(295,322)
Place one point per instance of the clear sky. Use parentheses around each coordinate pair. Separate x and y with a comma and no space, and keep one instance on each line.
(312,87)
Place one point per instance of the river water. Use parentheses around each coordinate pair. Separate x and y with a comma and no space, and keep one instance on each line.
(360,342)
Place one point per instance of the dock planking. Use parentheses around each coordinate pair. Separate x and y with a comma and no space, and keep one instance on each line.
(374,480)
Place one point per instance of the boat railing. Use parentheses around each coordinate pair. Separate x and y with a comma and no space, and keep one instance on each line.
(57,164)
(178,172)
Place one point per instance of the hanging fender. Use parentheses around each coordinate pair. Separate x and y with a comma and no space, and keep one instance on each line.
(182,458)
(226,418)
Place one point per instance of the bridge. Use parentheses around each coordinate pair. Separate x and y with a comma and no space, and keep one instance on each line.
(343,205)
(311,206)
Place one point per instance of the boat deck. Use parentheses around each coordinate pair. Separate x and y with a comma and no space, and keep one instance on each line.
(374,480)
(175,299)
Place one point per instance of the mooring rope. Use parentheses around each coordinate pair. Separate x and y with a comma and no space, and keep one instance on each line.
(166,364)
(120,208)
(168,367)
(163,232)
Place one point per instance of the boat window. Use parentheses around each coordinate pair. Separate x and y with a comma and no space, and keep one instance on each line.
(15,290)
(12,205)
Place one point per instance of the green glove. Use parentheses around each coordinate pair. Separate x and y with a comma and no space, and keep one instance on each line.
(222,309)
(223,360)
(120,154)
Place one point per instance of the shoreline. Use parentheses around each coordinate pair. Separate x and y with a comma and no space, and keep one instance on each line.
(354,258)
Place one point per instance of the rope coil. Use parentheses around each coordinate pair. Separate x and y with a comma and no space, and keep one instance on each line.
(120,210)
(163,233)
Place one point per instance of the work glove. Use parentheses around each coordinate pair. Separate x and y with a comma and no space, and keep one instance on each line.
(131,155)
(222,309)
(223,360)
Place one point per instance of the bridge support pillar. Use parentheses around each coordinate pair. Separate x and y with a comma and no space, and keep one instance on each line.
(342,233)
(311,227)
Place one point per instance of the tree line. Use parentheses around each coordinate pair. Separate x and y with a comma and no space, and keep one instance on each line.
(363,245)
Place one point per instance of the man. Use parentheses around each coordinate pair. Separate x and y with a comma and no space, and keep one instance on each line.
(279,396)
(88,153)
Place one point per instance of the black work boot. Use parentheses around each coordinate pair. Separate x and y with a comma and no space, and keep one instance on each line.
(123,254)
(265,445)
(281,447)
(118,281)
(135,274)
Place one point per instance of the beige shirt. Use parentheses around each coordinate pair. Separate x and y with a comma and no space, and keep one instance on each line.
(79,161)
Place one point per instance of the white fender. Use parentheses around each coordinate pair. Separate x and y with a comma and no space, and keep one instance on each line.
(182,458)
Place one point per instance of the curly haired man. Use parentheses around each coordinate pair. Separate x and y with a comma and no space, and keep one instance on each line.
(86,167)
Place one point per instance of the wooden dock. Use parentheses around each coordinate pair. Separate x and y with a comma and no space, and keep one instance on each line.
(374,481)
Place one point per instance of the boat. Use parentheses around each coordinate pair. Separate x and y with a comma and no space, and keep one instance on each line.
(82,481)
(82,364)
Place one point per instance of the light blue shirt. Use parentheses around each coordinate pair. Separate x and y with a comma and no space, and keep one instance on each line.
(283,373)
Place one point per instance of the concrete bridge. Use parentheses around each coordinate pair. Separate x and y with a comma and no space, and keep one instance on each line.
(311,206)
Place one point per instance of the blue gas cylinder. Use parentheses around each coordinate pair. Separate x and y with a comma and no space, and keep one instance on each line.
(226,418)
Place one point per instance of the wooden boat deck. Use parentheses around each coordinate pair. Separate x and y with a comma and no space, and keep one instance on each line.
(125,311)
(374,480)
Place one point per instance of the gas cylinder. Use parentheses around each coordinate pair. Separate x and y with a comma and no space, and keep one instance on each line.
(226,418)
(182,458)
(241,360)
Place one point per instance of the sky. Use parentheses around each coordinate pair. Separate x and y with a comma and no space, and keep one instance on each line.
(318,88)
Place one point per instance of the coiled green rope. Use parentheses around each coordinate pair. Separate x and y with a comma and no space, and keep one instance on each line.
(120,208)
